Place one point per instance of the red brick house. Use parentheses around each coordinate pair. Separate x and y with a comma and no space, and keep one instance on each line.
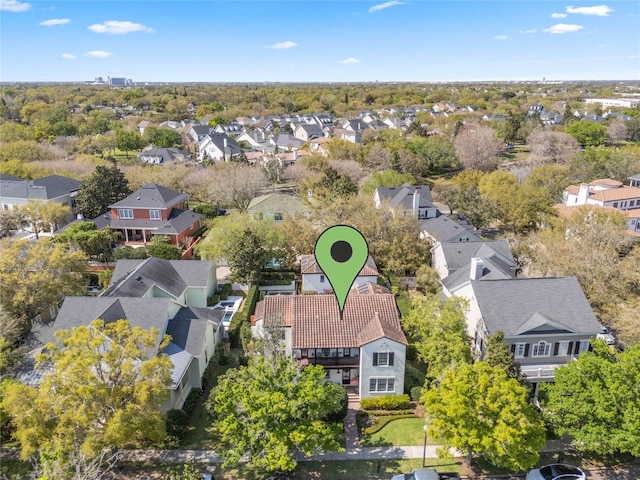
(154,210)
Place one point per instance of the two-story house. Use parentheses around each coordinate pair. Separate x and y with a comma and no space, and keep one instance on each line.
(315,280)
(218,147)
(170,296)
(154,210)
(408,199)
(365,351)
(277,206)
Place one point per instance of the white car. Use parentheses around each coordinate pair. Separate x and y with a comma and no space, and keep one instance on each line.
(421,474)
(556,471)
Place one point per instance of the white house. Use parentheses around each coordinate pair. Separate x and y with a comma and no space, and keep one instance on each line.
(218,147)
(604,193)
(365,351)
(315,280)
(408,199)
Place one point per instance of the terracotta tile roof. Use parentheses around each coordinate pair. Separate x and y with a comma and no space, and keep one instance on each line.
(573,189)
(621,193)
(308,264)
(606,181)
(315,319)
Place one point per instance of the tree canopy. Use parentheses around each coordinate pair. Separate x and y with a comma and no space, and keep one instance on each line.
(595,400)
(106,186)
(270,408)
(91,398)
(479,410)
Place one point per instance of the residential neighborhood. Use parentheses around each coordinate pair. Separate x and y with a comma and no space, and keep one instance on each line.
(172,279)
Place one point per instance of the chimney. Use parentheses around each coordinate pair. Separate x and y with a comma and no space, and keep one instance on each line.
(416,203)
(583,194)
(225,143)
(477,268)
(295,154)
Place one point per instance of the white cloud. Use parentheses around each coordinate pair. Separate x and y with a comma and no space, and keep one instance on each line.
(563,28)
(98,54)
(116,27)
(597,10)
(350,61)
(283,45)
(526,32)
(558,15)
(55,21)
(501,37)
(14,6)
(68,56)
(382,6)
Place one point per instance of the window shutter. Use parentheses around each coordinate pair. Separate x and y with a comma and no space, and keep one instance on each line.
(555,348)
(576,348)
(375,359)
(526,350)
(391,359)
(569,348)
(513,348)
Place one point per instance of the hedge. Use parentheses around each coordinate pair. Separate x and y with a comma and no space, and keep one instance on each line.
(383,421)
(177,423)
(225,291)
(389,413)
(387,402)
(243,315)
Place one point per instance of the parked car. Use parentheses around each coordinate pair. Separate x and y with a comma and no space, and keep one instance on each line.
(420,474)
(556,471)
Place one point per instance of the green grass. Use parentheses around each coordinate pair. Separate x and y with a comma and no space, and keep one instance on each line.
(405,431)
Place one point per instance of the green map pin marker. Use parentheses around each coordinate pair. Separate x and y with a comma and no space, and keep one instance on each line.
(341,251)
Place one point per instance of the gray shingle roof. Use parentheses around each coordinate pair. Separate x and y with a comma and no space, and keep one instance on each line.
(403,195)
(167,154)
(151,196)
(444,229)
(189,327)
(508,304)
(493,270)
(46,188)
(458,254)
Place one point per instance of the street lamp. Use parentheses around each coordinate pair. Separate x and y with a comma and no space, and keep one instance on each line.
(424,448)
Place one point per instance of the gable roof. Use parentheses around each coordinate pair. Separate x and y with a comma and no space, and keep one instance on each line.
(444,229)
(151,195)
(189,327)
(166,154)
(459,254)
(309,265)
(46,188)
(507,305)
(277,201)
(133,278)
(403,195)
(315,319)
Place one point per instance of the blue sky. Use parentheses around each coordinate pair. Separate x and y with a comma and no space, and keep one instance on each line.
(319,41)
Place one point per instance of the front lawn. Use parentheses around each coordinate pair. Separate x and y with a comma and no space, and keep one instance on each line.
(401,432)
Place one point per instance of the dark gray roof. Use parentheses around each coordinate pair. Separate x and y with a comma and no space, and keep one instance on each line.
(459,254)
(178,221)
(313,130)
(166,154)
(173,276)
(634,177)
(10,178)
(403,195)
(189,327)
(151,196)
(494,269)
(46,188)
(143,276)
(507,305)
(286,140)
(443,228)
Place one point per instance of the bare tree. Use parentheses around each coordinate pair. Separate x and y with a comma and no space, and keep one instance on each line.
(378,158)
(617,131)
(235,184)
(476,147)
(548,147)
(351,168)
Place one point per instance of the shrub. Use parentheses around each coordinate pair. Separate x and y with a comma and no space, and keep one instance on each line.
(389,413)
(338,415)
(176,423)
(384,421)
(209,211)
(225,291)
(191,401)
(412,378)
(243,315)
(416,393)
(387,402)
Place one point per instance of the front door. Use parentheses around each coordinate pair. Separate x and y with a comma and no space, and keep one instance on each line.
(346,376)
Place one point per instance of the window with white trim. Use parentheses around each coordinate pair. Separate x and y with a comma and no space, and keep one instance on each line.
(541,349)
(382,385)
(584,346)
(519,351)
(125,213)
(383,359)
(563,348)
(154,215)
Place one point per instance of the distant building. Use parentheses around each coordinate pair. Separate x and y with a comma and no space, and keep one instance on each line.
(615,102)
(119,81)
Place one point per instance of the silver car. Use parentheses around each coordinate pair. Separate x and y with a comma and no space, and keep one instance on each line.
(421,474)
(556,471)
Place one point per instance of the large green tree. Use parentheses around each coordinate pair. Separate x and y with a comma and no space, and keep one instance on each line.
(587,133)
(271,408)
(498,354)
(34,276)
(102,387)
(86,236)
(438,331)
(595,400)
(436,153)
(43,216)
(106,186)
(12,348)
(479,410)
(128,140)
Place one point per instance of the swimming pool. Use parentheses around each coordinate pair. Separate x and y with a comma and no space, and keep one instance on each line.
(227,317)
